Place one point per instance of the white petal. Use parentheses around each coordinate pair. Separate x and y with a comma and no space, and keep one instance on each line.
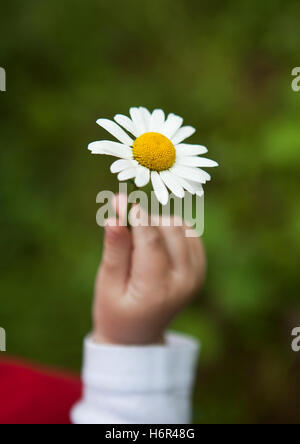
(195,161)
(126,123)
(197,187)
(115,130)
(157,121)
(138,120)
(146,117)
(142,176)
(172,183)
(183,133)
(185,149)
(172,124)
(111,149)
(159,188)
(205,174)
(194,174)
(122,164)
(129,173)
(186,185)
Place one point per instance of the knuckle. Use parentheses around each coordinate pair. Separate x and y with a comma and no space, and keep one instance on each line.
(152,238)
(177,229)
(187,285)
(198,247)
(110,261)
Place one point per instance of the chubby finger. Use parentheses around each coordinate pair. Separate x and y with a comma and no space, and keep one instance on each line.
(177,245)
(198,258)
(116,256)
(120,205)
(150,259)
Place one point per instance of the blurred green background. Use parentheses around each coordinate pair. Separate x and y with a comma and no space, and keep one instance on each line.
(224,66)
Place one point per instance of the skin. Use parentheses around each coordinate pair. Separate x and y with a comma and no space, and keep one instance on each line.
(146,277)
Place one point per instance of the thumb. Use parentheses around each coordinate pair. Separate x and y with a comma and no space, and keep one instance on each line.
(116,257)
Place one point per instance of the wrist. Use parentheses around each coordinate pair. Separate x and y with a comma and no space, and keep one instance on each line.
(99,338)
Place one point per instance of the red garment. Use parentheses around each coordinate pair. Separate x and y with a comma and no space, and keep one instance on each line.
(34,396)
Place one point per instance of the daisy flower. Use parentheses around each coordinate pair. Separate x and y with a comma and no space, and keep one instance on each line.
(155,152)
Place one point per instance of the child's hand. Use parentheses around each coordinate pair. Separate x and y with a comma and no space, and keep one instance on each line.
(147,275)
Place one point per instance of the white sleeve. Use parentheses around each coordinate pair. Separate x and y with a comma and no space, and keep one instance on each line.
(137,384)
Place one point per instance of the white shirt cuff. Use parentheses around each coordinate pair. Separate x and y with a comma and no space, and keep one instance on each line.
(137,384)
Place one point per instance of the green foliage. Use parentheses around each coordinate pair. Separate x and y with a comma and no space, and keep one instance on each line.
(226,67)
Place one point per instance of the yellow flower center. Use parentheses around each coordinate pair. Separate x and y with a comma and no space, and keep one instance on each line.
(154,151)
